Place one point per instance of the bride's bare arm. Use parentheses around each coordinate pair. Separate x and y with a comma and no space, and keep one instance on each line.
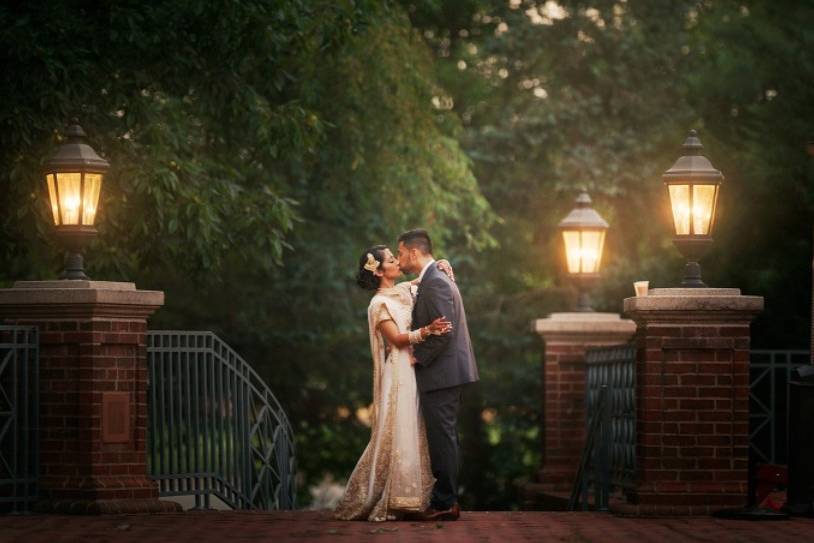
(400,340)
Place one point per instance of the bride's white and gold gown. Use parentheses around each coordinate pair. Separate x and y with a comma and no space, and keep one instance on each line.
(393,476)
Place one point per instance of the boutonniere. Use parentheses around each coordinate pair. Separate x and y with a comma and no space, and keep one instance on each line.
(414,290)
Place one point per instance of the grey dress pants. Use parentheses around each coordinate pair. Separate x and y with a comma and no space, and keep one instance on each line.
(440,410)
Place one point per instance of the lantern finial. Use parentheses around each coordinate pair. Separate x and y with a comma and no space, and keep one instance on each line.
(692,145)
(75,133)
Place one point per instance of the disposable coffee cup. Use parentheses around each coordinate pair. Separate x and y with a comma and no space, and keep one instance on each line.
(641,287)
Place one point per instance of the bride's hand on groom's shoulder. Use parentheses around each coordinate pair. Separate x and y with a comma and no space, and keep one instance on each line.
(446,267)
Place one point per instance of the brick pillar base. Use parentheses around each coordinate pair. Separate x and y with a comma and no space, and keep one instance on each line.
(692,400)
(93,384)
(566,337)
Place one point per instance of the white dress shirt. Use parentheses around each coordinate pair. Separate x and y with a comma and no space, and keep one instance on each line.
(424,270)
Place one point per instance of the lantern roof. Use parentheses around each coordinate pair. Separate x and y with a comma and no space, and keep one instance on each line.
(583,216)
(75,155)
(692,165)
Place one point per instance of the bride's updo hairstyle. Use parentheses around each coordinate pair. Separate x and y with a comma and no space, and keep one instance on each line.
(365,278)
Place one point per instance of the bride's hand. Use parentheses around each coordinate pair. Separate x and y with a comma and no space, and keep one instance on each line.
(446,267)
(440,326)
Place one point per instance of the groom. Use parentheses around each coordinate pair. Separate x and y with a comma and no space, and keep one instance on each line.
(443,364)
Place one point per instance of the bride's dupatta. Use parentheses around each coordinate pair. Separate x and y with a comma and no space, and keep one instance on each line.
(393,475)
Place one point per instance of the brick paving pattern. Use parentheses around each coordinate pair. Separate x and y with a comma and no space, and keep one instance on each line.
(235,527)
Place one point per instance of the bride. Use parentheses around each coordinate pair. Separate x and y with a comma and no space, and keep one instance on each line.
(393,477)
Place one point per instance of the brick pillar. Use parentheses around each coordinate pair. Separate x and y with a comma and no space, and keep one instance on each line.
(93,384)
(692,400)
(566,337)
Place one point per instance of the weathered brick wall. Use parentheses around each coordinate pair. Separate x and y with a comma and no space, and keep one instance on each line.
(693,416)
(566,338)
(93,386)
(79,361)
(563,413)
(692,404)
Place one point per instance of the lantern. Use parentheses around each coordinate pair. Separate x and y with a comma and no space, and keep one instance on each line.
(73,177)
(693,186)
(583,234)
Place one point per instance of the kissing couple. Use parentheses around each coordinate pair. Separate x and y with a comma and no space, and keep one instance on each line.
(422,358)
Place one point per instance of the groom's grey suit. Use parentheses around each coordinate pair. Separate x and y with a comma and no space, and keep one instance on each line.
(443,365)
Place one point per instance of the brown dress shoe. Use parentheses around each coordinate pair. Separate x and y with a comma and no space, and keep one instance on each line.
(435,515)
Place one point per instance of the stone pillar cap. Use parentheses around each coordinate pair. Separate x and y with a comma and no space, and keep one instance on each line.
(72,284)
(694,300)
(66,299)
(694,292)
(584,324)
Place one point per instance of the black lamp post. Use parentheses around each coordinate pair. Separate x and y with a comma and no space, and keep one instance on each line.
(74,177)
(693,185)
(583,233)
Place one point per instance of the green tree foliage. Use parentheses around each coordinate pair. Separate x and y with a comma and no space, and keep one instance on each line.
(751,86)
(189,103)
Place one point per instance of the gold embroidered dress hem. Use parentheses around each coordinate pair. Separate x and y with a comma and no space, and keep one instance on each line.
(393,475)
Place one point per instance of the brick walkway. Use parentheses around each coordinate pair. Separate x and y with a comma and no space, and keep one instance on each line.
(502,527)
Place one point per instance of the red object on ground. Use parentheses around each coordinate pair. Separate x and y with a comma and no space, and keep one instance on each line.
(769,478)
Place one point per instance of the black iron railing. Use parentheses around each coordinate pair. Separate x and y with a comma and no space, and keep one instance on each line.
(215,428)
(608,461)
(770,372)
(19,416)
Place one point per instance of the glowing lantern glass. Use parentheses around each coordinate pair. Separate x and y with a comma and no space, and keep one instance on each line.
(583,233)
(693,185)
(73,198)
(583,250)
(73,177)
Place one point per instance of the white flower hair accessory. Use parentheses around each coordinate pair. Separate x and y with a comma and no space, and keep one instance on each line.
(372,264)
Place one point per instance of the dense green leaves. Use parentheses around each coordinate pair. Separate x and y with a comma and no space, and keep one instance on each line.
(188,106)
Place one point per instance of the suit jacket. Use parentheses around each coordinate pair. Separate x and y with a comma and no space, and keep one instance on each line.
(442,361)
